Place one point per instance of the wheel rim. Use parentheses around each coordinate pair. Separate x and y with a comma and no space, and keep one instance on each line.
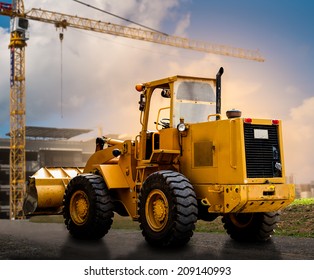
(79,207)
(157,210)
(241,220)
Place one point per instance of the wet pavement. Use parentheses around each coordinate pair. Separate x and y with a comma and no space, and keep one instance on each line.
(51,241)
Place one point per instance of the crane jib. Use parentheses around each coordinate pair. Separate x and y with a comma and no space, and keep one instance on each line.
(64,21)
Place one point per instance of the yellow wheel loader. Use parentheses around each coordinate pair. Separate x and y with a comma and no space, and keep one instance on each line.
(187,163)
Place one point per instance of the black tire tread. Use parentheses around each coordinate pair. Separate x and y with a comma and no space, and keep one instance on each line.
(260,228)
(184,209)
(100,221)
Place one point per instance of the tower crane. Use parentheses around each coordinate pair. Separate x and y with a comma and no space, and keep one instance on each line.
(18,38)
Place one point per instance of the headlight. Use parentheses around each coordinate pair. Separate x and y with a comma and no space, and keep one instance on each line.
(181,127)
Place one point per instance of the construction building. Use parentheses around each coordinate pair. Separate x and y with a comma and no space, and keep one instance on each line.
(44,147)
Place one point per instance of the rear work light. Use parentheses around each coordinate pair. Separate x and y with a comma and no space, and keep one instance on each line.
(247,120)
(275,122)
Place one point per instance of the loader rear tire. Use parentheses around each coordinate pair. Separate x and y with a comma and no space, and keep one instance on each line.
(167,209)
(88,209)
(248,227)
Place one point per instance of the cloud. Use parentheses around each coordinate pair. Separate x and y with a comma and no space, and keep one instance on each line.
(182,25)
(299,139)
(98,71)
(241,94)
(304,113)
(4,80)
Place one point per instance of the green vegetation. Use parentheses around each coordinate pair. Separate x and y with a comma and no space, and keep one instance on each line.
(297,219)
(303,201)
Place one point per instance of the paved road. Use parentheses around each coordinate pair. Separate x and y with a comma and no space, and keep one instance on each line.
(33,241)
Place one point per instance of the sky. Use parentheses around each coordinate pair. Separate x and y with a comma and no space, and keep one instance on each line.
(99,71)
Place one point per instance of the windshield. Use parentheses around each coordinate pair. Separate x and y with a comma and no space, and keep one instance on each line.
(194,101)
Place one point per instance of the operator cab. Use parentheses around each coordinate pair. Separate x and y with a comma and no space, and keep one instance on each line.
(193,101)
(167,104)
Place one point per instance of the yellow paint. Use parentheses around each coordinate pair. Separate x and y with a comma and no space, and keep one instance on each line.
(114,176)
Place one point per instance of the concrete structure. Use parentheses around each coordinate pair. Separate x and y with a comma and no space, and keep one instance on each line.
(44,147)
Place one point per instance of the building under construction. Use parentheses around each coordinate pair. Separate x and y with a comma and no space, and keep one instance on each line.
(44,147)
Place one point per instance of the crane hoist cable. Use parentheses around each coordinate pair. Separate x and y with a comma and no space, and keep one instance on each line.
(125,19)
(61,74)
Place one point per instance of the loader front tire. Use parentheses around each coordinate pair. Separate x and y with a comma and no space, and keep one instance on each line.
(88,209)
(167,209)
(250,227)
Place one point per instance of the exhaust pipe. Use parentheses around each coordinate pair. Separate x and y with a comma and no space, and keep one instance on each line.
(218,91)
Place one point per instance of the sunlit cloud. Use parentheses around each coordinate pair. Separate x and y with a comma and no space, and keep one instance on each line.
(99,73)
(299,136)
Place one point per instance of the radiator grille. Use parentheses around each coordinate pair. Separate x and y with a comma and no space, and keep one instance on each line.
(262,151)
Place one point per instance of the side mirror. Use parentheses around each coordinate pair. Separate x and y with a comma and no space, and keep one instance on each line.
(142,102)
(165,93)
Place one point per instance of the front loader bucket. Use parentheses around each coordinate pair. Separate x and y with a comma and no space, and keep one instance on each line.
(45,190)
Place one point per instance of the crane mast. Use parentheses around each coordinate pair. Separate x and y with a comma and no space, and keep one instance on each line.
(17,114)
(18,38)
